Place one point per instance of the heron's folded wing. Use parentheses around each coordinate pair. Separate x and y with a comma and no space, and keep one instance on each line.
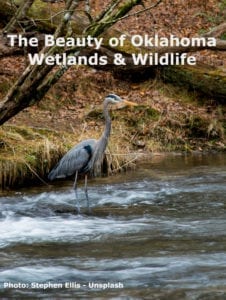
(74,160)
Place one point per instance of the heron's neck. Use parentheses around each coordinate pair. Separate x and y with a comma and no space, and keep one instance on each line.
(102,143)
(107,129)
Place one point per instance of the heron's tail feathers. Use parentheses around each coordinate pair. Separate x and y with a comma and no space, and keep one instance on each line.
(55,173)
(52,175)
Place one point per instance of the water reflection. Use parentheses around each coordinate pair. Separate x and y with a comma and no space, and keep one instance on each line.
(157,231)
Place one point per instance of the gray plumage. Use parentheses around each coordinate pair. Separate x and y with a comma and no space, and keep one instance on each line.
(76,159)
(86,156)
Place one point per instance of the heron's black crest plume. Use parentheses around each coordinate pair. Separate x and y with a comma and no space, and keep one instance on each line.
(112,96)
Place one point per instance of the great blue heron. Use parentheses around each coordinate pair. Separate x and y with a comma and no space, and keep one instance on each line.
(87,155)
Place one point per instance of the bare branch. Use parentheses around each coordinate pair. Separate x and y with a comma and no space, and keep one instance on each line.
(107,10)
(87,10)
(111,8)
(141,11)
(70,8)
(20,13)
(111,17)
(216,31)
(87,7)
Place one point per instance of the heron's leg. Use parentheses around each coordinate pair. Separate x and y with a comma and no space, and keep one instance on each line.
(86,193)
(76,194)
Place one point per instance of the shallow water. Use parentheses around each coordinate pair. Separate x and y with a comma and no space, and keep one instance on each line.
(155,233)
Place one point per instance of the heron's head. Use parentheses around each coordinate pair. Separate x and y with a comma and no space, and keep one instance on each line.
(114,99)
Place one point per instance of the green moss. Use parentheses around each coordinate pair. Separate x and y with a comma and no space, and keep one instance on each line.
(31,158)
(95,114)
(197,127)
(139,115)
(4,86)
(209,81)
(147,112)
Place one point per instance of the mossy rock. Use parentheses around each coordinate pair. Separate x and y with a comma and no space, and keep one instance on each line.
(95,114)
(147,112)
(137,115)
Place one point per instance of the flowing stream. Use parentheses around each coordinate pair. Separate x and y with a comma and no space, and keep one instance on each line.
(158,232)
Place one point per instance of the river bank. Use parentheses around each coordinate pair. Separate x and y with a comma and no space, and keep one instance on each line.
(166,119)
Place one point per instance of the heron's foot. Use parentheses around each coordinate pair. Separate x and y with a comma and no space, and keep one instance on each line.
(88,211)
(78,210)
(77,205)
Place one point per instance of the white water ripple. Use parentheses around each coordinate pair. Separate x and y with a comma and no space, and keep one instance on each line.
(55,229)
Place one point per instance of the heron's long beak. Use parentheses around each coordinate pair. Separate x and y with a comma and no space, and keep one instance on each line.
(130,103)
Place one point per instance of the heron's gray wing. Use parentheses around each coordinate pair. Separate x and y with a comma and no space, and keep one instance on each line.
(74,160)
